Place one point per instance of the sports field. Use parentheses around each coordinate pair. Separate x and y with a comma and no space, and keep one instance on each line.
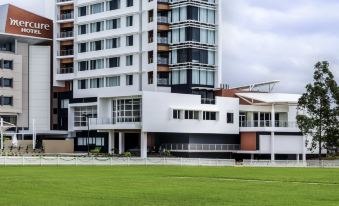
(166,185)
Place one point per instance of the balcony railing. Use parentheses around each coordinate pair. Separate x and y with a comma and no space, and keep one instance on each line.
(162,40)
(202,147)
(267,123)
(66,70)
(118,120)
(66,16)
(163,81)
(207,101)
(65,34)
(162,19)
(60,1)
(65,52)
(162,60)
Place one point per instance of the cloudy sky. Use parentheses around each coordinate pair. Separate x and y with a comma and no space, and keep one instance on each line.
(266,39)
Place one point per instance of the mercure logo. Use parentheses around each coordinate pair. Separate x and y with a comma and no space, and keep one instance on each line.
(29,26)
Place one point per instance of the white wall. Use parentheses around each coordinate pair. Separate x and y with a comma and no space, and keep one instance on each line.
(39,86)
(157,114)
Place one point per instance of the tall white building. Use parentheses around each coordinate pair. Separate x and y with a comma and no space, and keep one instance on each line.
(142,76)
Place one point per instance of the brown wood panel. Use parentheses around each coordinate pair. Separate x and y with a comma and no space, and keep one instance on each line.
(248,141)
(163,6)
(163,68)
(163,27)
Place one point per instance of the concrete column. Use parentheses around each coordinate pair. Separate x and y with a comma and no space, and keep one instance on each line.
(2,134)
(143,145)
(272,133)
(110,140)
(121,142)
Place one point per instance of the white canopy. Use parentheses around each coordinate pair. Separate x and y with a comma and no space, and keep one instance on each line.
(271,98)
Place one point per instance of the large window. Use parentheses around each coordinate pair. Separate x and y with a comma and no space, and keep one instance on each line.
(82,47)
(97,26)
(129,21)
(97,82)
(113,81)
(97,45)
(179,77)
(6,82)
(97,8)
(189,114)
(127,110)
(82,29)
(96,64)
(6,64)
(194,13)
(113,43)
(113,5)
(82,11)
(8,101)
(97,141)
(113,24)
(113,62)
(129,40)
(209,116)
(82,113)
(129,3)
(83,84)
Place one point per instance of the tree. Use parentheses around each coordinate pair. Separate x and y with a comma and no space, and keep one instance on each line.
(319,111)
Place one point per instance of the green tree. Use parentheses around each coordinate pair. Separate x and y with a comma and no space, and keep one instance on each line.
(319,111)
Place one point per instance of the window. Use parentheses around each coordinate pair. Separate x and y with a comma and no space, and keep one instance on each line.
(176,114)
(113,5)
(64,103)
(82,113)
(96,64)
(113,81)
(150,36)
(83,11)
(97,141)
(129,21)
(97,83)
(112,43)
(129,60)
(112,24)
(189,114)
(127,110)
(129,80)
(82,29)
(150,77)
(230,118)
(129,3)
(6,82)
(82,47)
(97,8)
(150,16)
(82,84)
(113,62)
(97,26)
(209,116)
(129,40)
(7,101)
(7,64)
(83,65)
(150,57)
(97,45)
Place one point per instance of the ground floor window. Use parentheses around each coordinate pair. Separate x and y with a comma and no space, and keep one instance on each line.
(97,141)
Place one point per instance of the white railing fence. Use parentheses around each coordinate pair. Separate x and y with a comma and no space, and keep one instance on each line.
(110,161)
(292,163)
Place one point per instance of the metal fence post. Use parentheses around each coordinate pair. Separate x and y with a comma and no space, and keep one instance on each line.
(111,161)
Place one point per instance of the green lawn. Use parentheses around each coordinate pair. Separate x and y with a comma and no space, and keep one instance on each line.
(165,185)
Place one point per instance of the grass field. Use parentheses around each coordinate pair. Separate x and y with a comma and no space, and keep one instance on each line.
(160,185)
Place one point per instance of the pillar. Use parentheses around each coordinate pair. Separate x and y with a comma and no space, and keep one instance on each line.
(111,142)
(143,145)
(272,133)
(2,134)
(121,142)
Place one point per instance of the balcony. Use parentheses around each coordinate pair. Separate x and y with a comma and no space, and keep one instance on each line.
(115,123)
(207,101)
(66,16)
(201,147)
(162,60)
(65,34)
(68,52)
(162,40)
(266,125)
(66,70)
(162,19)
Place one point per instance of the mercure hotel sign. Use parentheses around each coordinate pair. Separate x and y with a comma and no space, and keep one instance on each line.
(25,23)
